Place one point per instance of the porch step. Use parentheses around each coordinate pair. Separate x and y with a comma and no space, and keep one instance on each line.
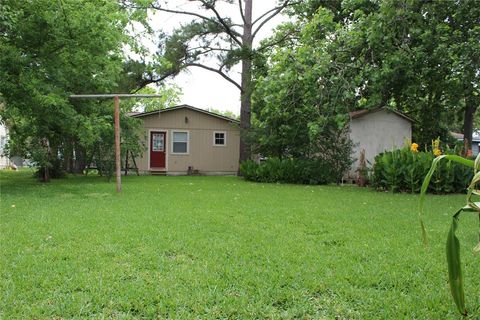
(158,172)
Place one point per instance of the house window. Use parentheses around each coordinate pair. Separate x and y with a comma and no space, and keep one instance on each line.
(158,142)
(180,142)
(219,138)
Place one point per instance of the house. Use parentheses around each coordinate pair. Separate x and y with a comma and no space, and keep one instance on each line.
(375,131)
(4,160)
(475,140)
(184,139)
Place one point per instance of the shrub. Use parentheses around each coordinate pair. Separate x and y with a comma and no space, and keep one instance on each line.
(55,170)
(301,171)
(403,170)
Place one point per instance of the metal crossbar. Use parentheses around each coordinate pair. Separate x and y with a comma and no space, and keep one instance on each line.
(113,95)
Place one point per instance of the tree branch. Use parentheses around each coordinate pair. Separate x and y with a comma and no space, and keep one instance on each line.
(281,7)
(208,49)
(182,12)
(146,82)
(275,11)
(232,33)
(219,71)
(276,42)
(240,7)
(264,14)
(66,20)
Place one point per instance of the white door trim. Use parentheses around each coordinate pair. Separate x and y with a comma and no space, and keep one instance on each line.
(150,145)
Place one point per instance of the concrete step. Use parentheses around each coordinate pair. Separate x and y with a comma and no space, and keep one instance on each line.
(158,172)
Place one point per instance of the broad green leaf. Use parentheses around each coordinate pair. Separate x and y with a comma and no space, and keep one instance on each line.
(453,244)
(426,182)
(476,166)
(454,266)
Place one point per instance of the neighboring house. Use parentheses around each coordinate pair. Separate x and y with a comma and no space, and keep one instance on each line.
(375,131)
(13,161)
(184,139)
(4,161)
(475,140)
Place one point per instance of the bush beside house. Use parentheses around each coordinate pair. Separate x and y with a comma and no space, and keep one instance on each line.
(293,170)
(403,170)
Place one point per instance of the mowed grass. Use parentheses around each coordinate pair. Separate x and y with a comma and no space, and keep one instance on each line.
(223,248)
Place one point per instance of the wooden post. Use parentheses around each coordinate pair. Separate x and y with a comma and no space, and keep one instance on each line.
(117,144)
(116,97)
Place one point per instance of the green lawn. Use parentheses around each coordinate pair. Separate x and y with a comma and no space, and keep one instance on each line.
(222,248)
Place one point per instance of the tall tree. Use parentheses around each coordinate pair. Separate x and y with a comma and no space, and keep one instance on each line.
(48,50)
(463,48)
(212,35)
(420,57)
(301,98)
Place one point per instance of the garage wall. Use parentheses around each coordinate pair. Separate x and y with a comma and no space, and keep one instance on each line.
(377,132)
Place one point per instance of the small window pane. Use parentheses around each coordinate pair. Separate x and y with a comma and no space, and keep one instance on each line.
(180,147)
(180,137)
(180,142)
(219,138)
(158,142)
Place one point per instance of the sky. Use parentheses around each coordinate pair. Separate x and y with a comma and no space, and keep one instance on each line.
(201,88)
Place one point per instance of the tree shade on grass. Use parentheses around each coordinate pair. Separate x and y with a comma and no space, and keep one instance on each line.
(219,247)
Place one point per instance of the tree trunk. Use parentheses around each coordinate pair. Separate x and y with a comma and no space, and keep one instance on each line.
(468,124)
(246,95)
(67,152)
(46,174)
(80,161)
(46,167)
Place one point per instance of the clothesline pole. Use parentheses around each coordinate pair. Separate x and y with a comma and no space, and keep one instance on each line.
(116,101)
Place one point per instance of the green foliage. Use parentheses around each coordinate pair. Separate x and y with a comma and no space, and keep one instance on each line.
(402,170)
(100,145)
(295,112)
(455,273)
(56,170)
(300,171)
(170,97)
(418,57)
(49,50)
(226,113)
(200,42)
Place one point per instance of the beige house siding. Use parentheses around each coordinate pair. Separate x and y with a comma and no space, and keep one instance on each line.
(377,132)
(202,154)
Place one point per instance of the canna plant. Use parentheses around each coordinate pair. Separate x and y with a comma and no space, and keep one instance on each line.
(403,170)
(453,244)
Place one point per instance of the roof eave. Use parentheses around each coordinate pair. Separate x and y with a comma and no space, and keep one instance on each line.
(370,111)
(140,115)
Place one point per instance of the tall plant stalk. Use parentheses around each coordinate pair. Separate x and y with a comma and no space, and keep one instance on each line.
(455,275)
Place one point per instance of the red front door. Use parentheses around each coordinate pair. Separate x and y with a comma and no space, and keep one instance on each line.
(158,141)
